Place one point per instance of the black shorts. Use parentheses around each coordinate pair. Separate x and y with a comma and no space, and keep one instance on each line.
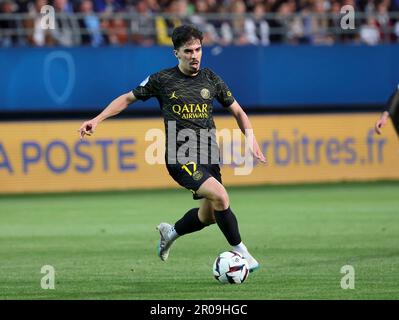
(191,175)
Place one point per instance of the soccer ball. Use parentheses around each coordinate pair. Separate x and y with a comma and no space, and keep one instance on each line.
(230,267)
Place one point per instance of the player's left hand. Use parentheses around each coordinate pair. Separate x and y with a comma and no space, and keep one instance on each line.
(258,153)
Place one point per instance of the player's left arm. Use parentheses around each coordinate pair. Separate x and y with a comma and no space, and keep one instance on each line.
(246,127)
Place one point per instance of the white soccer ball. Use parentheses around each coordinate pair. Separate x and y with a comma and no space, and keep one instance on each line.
(230,267)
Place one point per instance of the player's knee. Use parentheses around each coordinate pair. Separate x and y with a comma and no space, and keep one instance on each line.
(221,201)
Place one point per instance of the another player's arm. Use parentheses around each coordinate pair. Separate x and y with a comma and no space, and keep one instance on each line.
(381,122)
(244,123)
(115,107)
(391,110)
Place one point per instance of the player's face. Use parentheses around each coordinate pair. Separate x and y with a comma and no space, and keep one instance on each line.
(189,56)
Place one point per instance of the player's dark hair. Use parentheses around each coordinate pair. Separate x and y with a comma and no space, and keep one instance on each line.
(185,33)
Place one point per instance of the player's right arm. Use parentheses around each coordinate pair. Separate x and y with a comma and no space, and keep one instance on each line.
(115,107)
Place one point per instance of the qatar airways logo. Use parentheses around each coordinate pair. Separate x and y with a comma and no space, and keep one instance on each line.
(191,110)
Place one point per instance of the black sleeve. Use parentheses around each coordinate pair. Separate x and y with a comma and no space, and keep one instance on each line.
(147,89)
(393,102)
(223,93)
(393,110)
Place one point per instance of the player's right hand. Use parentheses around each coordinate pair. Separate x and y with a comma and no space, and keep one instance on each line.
(381,123)
(87,128)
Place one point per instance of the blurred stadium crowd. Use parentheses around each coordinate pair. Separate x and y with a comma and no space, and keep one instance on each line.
(224,22)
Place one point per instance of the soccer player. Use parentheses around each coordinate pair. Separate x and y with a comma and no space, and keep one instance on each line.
(392,111)
(185,93)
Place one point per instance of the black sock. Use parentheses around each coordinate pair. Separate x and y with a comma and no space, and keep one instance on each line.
(189,223)
(227,222)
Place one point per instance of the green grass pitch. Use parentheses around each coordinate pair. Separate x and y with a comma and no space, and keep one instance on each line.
(103,245)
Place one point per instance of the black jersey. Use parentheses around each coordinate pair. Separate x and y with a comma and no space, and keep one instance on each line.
(186,104)
(393,108)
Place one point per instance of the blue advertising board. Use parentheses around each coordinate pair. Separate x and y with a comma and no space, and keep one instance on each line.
(83,78)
